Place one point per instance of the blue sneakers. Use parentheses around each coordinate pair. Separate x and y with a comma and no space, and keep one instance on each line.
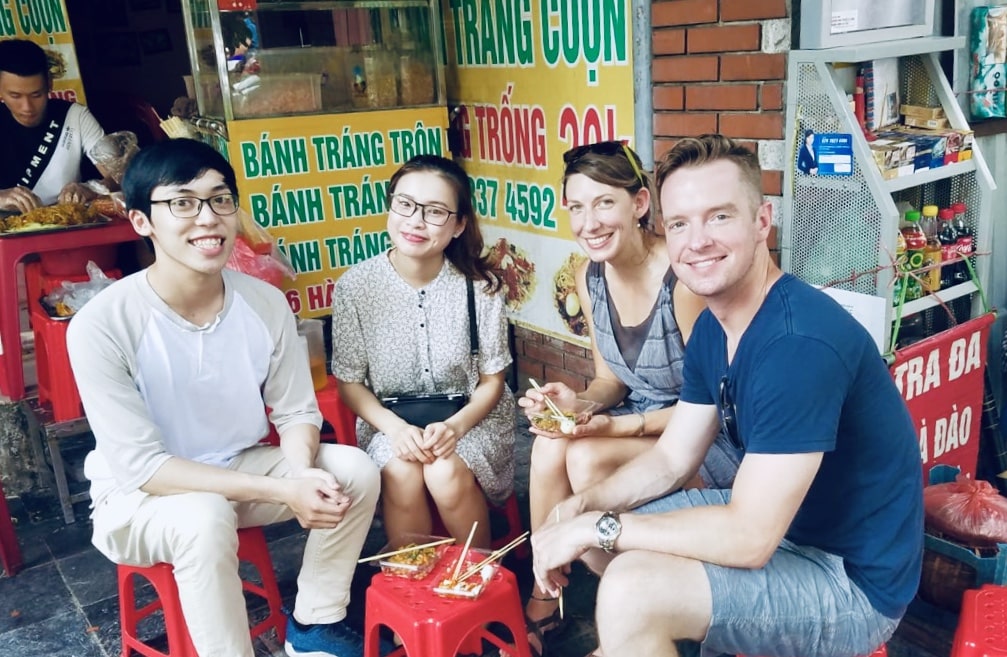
(332,640)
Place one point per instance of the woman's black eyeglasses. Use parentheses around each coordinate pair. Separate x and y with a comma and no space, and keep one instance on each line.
(729,414)
(606,148)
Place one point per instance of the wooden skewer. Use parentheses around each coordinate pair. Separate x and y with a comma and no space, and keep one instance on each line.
(465,551)
(443,541)
(496,555)
(548,402)
(560,596)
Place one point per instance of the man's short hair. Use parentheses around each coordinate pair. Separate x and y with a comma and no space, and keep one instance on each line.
(23,58)
(696,151)
(171,162)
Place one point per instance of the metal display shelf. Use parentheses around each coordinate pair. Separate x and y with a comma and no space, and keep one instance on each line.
(844,228)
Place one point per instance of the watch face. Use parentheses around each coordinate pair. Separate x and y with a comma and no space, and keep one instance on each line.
(609,526)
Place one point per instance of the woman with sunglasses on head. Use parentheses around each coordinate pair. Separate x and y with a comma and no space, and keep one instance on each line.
(401,325)
(638,319)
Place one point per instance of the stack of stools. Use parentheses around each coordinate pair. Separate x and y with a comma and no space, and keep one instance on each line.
(252,548)
(433,626)
(982,624)
(56,385)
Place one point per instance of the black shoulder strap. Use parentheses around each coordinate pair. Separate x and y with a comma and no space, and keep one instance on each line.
(473,329)
(55,116)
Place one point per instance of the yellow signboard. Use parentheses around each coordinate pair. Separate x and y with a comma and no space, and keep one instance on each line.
(528,81)
(319,184)
(46,23)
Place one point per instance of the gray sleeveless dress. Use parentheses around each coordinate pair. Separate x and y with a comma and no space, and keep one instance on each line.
(655,379)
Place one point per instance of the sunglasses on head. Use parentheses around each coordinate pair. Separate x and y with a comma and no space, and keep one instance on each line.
(728,414)
(606,148)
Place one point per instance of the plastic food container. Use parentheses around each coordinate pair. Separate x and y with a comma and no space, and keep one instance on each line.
(472,587)
(415,564)
(579,412)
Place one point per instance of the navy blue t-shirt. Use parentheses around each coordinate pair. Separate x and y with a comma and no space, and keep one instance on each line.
(806,377)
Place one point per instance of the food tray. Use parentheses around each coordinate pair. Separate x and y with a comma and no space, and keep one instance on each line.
(407,565)
(101,220)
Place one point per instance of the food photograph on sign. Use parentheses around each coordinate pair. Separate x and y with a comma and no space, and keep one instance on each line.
(569,305)
(515,269)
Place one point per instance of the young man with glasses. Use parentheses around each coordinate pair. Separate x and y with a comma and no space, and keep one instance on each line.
(176,366)
(816,550)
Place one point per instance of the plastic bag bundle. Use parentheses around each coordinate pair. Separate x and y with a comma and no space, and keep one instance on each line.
(967,510)
(113,152)
(256,254)
(988,74)
(71,296)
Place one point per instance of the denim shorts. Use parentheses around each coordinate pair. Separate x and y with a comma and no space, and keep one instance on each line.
(801,603)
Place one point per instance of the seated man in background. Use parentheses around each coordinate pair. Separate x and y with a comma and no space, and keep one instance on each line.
(817,547)
(41,140)
(176,366)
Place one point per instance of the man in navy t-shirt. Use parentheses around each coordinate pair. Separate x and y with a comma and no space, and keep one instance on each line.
(817,549)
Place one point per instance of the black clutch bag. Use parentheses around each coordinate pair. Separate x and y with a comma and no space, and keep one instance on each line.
(423,409)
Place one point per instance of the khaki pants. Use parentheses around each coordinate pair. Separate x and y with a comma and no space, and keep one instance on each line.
(196,533)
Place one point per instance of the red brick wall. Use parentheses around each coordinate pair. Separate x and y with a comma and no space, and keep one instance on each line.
(710,74)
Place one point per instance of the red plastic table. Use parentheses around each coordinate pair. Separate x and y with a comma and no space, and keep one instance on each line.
(13,249)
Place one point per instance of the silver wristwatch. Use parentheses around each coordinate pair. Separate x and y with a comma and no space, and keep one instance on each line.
(607,530)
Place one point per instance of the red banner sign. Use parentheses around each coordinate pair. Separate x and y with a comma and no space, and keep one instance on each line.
(941,379)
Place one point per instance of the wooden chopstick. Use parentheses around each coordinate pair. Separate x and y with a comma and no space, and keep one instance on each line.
(492,557)
(465,551)
(548,402)
(383,555)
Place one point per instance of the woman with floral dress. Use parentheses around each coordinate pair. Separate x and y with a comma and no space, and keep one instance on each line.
(401,326)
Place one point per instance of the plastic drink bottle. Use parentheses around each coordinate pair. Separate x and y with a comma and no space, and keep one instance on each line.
(928,221)
(948,237)
(932,253)
(916,244)
(965,242)
(900,265)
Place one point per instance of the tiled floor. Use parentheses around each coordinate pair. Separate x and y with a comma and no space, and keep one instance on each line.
(64,604)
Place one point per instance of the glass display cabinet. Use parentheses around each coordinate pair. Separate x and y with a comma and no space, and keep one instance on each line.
(316,104)
(253,59)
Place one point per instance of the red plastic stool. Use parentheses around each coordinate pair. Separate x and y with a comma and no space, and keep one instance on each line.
(251,548)
(982,624)
(432,626)
(10,553)
(336,413)
(56,385)
(880,652)
(510,512)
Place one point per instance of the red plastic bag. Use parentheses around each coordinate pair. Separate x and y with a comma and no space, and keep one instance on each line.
(967,510)
(263,266)
(256,254)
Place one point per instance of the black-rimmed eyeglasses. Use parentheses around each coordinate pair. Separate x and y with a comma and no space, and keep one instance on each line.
(432,214)
(728,414)
(187,207)
(608,149)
